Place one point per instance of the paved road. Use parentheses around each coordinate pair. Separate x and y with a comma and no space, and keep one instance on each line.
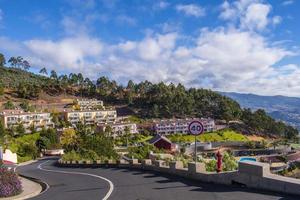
(124,184)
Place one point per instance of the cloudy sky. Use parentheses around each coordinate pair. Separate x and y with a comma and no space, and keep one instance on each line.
(248,46)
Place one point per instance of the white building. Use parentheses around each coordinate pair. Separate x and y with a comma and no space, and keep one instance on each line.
(90,117)
(89,103)
(38,120)
(119,128)
(172,126)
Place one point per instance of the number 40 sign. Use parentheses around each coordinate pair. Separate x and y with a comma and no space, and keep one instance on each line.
(196,128)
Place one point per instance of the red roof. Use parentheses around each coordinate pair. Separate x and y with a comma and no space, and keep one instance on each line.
(5,162)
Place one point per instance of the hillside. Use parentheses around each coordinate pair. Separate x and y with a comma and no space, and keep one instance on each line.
(280,107)
(12,77)
(146,99)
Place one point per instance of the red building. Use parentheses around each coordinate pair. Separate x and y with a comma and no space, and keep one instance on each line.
(162,142)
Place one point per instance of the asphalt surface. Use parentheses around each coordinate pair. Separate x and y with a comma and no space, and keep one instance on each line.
(127,184)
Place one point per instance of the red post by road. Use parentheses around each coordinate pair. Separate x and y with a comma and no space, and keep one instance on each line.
(219,162)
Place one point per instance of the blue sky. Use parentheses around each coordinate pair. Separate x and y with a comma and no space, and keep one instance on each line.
(241,45)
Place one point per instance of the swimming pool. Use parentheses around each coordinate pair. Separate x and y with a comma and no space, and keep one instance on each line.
(246,159)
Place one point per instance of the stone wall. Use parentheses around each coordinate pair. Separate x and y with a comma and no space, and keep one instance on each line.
(250,174)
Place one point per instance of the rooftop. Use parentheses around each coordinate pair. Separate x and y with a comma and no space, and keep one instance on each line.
(19,112)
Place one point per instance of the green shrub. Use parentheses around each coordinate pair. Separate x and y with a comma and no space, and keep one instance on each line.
(71,156)
(9,105)
(211,165)
(142,152)
(229,162)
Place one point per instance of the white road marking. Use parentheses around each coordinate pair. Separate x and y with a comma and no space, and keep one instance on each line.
(111,185)
(47,185)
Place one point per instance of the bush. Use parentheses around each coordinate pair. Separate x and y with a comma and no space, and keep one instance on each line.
(211,166)
(229,162)
(28,150)
(82,155)
(142,152)
(10,183)
(71,156)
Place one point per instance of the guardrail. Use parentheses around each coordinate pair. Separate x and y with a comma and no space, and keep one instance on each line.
(251,174)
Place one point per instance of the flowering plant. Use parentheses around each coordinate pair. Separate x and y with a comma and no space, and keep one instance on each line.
(10,183)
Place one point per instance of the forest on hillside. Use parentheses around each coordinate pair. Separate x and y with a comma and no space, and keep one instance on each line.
(150,100)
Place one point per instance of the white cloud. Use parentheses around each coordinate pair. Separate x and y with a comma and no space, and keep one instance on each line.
(226,58)
(256,16)
(161,5)
(153,48)
(249,14)
(69,53)
(287,2)
(277,20)
(191,10)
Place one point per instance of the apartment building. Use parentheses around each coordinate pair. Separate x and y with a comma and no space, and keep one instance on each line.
(172,126)
(89,103)
(90,117)
(119,128)
(38,120)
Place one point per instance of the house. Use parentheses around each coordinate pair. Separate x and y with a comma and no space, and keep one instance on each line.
(172,126)
(91,117)
(37,120)
(162,142)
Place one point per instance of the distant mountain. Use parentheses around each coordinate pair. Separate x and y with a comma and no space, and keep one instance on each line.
(279,107)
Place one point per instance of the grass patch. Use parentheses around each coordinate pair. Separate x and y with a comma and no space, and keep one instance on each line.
(218,136)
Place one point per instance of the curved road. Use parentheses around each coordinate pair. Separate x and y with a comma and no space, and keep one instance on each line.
(123,184)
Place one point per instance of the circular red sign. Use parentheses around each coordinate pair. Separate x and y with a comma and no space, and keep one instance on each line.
(196,128)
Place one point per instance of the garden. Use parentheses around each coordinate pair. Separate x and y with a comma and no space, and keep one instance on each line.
(10,183)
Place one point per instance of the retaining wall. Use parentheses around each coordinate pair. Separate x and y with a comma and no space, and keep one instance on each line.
(250,174)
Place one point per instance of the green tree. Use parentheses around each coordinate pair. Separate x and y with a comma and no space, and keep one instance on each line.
(53,75)
(28,91)
(19,62)
(2,131)
(9,105)
(101,144)
(108,130)
(1,88)
(43,71)
(26,106)
(13,61)
(69,139)
(50,138)
(20,130)
(41,144)
(2,60)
